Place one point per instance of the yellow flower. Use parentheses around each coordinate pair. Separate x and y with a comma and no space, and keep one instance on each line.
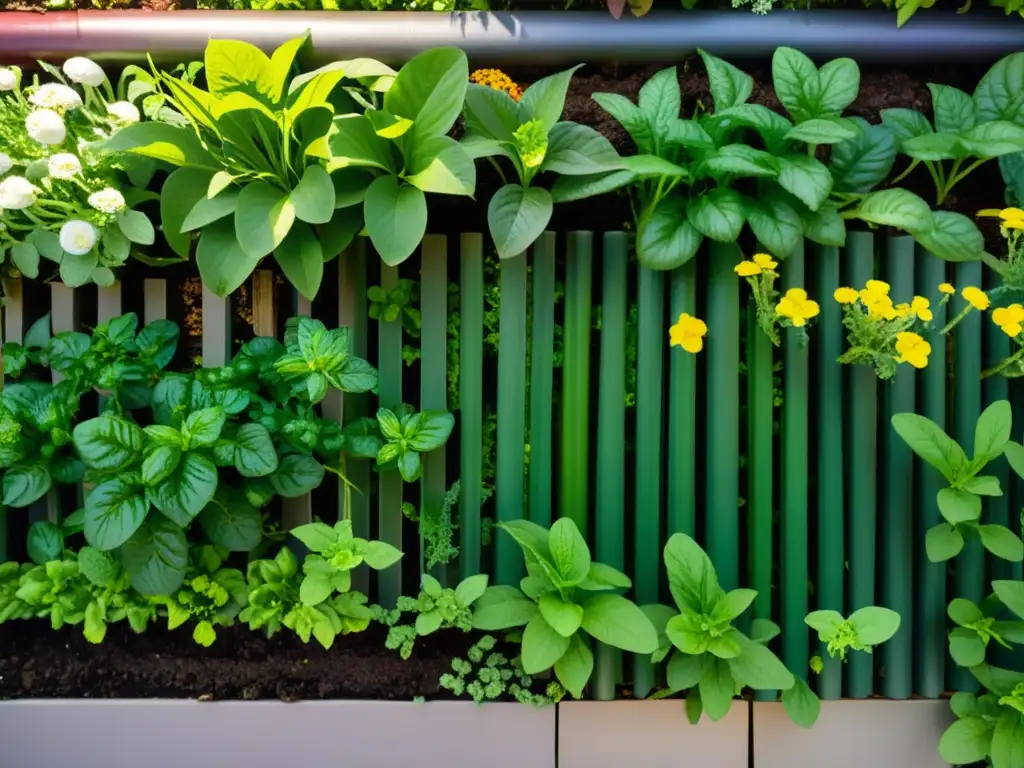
(1010,319)
(764,261)
(1012,218)
(947,288)
(919,307)
(797,307)
(845,295)
(498,80)
(1014,223)
(688,333)
(913,349)
(975,297)
(902,310)
(879,305)
(747,269)
(877,286)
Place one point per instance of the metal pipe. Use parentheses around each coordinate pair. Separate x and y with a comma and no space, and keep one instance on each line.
(531,37)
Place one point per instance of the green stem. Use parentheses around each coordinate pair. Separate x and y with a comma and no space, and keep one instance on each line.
(907,171)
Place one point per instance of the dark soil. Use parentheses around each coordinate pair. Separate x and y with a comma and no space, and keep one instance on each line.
(38,662)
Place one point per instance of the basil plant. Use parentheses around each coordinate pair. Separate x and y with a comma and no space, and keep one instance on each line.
(565,602)
(531,137)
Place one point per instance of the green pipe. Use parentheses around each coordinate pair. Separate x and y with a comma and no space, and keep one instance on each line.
(930,606)
(574,484)
(471,430)
(682,410)
(652,334)
(829,450)
(862,431)
(1016,488)
(541,378)
(610,502)
(970,563)
(997,508)
(795,450)
(897,498)
(389,393)
(723,405)
(511,415)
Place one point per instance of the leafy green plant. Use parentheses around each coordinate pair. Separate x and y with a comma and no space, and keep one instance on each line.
(564,601)
(960,503)
(317,359)
(13,607)
(487,675)
(335,553)
(436,608)
(111,597)
(54,590)
(437,527)
(210,595)
(407,434)
(866,628)
(396,304)
(530,136)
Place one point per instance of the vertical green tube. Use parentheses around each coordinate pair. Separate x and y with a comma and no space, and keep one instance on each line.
(723,407)
(541,378)
(574,481)
(930,578)
(433,377)
(829,450)
(795,450)
(897,497)
(862,431)
(389,393)
(970,563)
(997,508)
(682,410)
(652,341)
(1016,485)
(471,430)
(511,414)
(610,499)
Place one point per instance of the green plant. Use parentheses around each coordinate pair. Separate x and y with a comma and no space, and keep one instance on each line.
(496,675)
(54,590)
(209,595)
(389,306)
(960,503)
(968,130)
(335,553)
(317,359)
(564,601)
(437,527)
(407,434)
(436,608)
(866,628)
(1012,168)
(111,597)
(529,134)
(13,607)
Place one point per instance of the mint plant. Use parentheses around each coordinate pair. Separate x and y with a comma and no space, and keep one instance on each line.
(407,434)
(564,602)
(335,553)
(529,134)
(435,608)
(318,359)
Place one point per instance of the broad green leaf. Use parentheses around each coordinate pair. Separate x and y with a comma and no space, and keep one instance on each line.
(998,95)
(617,622)
(163,141)
(928,441)
(875,625)
(729,86)
(796,83)
(490,112)
(992,432)
(686,634)
(694,707)
(313,196)
(26,258)
(233,66)
(187,491)
(966,648)
(98,567)
(274,76)
(823,131)
(202,428)
(1007,750)
(545,99)
(542,646)
(430,90)
(441,165)
(1014,453)
(958,506)
(45,542)
(565,618)
(315,588)
(302,259)
(896,208)
(388,126)
(660,100)
(156,557)
(861,163)
(230,521)
(396,218)
(725,646)
(801,704)
(933,147)
(966,741)
(716,688)
(502,607)
(223,265)
(296,475)
(431,431)
(691,576)
(666,239)
(108,442)
(355,143)
(263,218)
(905,123)
(805,178)
(733,604)
(1011,593)
(953,109)
(963,611)
(601,577)
(763,630)
(516,217)
(159,464)
(23,485)
(684,671)
(114,511)
(255,455)
(380,555)
(943,542)
(758,668)
(350,185)
(318,537)
(825,227)
(76,271)
(1001,542)
(963,704)
(409,465)
(739,160)
(471,588)
(954,237)
(569,552)
(823,622)
(775,225)
(771,126)
(339,233)
(1012,167)
(577,150)
(838,85)
(575,666)
(718,214)
(208,210)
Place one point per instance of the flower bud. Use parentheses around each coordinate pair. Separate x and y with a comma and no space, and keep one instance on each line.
(85,71)
(17,193)
(8,79)
(77,237)
(46,127)
(56,96)
(107,200)
(124,112)
(64,165)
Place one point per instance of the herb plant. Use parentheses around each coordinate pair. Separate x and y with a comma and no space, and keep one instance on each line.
(436,608)
(407,434)
(566,600)
(866,628)
(335,552)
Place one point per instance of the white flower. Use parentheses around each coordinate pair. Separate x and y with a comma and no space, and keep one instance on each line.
(124,112)
(56,96)
(46,126)
(64,165)
(16,193)
(77,237)
(107,200)
(5,163)
(84,71)
(8,79)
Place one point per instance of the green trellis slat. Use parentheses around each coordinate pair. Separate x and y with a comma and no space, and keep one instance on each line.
(389,394)
(930,606)
(996,346)
(1016,485)
(542,349)
(610,481)
(646,539)
(682,410)
(723,400)
(575,477)
(154,300)
(511,414)
(434,376)
(861,431)
(760,481)
(897,576)
(829,451)
(470,415)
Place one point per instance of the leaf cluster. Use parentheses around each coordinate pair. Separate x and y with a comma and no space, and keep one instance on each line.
(436,607)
